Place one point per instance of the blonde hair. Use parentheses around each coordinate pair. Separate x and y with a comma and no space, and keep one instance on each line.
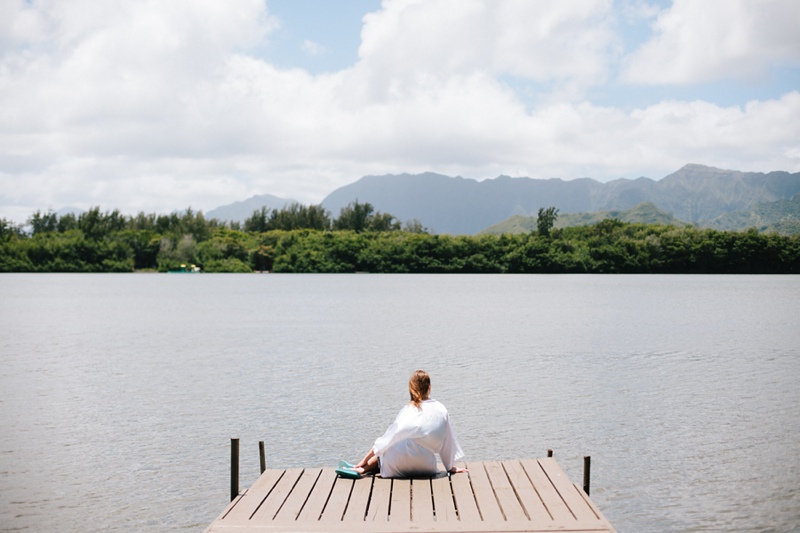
(419,386)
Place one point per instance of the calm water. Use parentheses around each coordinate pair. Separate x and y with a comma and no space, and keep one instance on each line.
(119,393)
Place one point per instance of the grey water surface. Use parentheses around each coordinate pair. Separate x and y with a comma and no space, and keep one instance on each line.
(119,393)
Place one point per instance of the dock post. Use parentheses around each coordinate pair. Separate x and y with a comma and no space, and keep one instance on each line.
(234,468)
(549,452)
(262,456)
(587,467)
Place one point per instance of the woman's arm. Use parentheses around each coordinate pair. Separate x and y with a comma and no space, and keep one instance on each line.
(450,452)
(405,426)
(363,463)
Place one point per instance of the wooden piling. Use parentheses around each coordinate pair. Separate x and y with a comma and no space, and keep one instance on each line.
(587,467)
(549,452)
(262,456)
(234,468)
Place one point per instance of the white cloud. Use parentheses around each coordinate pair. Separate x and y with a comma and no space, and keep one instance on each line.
(313,49)
(709,40)
(158,106)
(542,41)
(114,78)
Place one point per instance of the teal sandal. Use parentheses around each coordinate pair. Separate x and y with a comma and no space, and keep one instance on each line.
(347,472)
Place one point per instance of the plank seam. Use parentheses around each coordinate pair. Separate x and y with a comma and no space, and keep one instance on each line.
(238,499)
(411,500)
(328,499)
(453,495)
(289,493)
(584,496)
(500,505)
(433,500)
(558,492)
(524,510)
(537,491)
(474,497)
(347,503)
(369,498)
(268,493)
(391,491)
(308,495)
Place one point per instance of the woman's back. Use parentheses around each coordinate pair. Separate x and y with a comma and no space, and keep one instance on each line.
(408,446)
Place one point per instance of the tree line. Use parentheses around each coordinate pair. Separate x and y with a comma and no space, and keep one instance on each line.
(302,238)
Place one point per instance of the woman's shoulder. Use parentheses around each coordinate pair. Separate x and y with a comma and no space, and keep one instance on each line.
(434,405)
(426,405)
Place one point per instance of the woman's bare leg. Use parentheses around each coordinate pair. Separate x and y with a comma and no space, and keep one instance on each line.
(368,464)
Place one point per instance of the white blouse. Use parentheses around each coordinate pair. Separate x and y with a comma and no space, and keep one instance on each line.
(409,446)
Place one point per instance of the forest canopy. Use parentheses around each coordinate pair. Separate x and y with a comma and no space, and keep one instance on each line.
(302,238)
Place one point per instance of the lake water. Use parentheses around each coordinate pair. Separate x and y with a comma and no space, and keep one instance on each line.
(119,393)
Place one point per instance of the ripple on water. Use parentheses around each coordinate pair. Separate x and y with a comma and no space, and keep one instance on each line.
(126,392)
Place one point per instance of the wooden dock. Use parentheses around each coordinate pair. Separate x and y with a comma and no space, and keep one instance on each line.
(519,495)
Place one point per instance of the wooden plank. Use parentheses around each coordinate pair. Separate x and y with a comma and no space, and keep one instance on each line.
(230,506)
(267,480)
(400,510)
(269,508)
(251,500)
(465,502)
(525,492)
(484,494)
(421,501)
(359,499)
(318,497)
(379,502)
(337,503)
(602,519)
(512,508)
(296,500)
(443,505)
(547,492)
(564,486)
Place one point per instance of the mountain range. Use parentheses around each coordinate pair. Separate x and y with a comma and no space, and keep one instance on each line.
(240,211)
(702,195)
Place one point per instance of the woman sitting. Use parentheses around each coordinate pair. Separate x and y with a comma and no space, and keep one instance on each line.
(421,430)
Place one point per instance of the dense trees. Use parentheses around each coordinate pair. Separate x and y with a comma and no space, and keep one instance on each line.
(293,216)
(305,239)
(360,217)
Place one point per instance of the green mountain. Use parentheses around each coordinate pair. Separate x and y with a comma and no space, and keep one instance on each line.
(644,213)
(781,216)
(462,206)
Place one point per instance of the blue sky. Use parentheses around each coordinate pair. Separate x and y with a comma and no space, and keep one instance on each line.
(334,29)
(157,106)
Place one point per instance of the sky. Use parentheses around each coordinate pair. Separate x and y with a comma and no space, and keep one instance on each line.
(161,105)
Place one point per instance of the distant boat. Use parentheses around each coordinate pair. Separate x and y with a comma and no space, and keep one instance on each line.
(186,269)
